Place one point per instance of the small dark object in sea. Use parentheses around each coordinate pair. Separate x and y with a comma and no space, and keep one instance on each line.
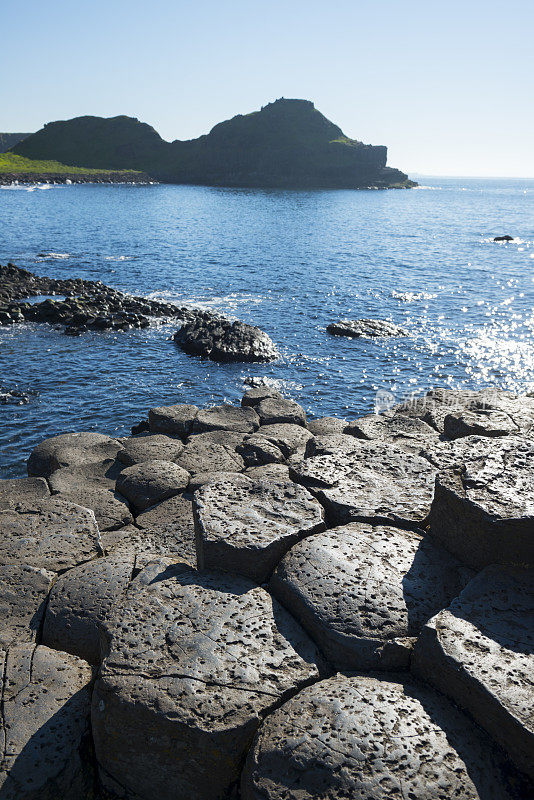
(13,396)
(506,238)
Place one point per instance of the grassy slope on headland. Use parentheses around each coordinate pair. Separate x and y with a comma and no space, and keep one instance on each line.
(13,164)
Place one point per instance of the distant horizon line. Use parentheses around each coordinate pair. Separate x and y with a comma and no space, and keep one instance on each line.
(415,174)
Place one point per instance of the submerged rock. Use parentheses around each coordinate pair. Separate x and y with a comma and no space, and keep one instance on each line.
(222,340)
(365,328)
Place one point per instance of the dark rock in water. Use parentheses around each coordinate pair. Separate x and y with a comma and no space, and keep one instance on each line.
(13,396)
(221,340)
(365,328)
(506,238)
(196,660)
(356,737)
(479,652)
(140,427)
(362,592)
(44,725)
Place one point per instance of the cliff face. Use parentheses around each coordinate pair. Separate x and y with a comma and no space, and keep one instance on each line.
(288,143)
(8,140)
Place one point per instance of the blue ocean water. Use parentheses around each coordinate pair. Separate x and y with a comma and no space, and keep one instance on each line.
(288,261)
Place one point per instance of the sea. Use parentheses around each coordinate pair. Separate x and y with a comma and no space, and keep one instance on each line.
(288,261)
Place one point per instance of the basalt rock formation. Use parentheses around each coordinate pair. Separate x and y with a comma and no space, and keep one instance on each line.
(92,306)
(261,554)
(288,143)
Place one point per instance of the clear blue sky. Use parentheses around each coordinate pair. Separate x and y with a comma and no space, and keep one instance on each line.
(448,86)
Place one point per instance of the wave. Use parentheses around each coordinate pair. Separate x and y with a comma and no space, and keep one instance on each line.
(52,256)
(119,258)
(410,297)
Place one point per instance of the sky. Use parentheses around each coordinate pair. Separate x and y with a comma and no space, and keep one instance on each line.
(447,86)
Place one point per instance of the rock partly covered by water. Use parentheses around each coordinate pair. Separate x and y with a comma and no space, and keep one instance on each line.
(222,340)
(219,567)
(365,328)
(91,306)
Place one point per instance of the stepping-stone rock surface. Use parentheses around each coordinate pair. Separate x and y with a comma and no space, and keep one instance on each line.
(195,661)
(410,433)
(327,425)
(484,423)
(246,527)
(356,737)
(258,393)
(177,419)
(256,450)
(51,534)
(93,486)
(480,652)
(363,591)
(226,418)
(44,725)
(268,472)
(274,410)
(203,478)
(149,446)
(79,603)
(70,450)
(366,328)
(170,527)
(200,455)
(377,482)
(288,438)
(147,483)
(484,513)
(23,595)
(17,490)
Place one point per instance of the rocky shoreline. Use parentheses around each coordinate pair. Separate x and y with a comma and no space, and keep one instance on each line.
(242,603)
(121,176)
(93,306)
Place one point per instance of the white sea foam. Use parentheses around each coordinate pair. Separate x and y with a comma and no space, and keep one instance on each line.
(57,256)
(411,297)
(118,258)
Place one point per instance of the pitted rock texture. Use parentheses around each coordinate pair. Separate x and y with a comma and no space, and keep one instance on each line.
(79,603)
(205,478)
(362,591)
(147,483)
(44,725)
(356,737)
(268,472)
(256,451)
(410,433)
(289,438)
(25,490)
(258,393)
(480,652)
(50,534)
(246,527)
(170,527)
(70,450)
(366,328)
(172,420)
(222,340)
(327,425)
(226,418)
(484,513)
(201,455)
(483,423)
(93,486)
(149,446)
(195,661)
(23,595)
(377,482)
(274,410)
